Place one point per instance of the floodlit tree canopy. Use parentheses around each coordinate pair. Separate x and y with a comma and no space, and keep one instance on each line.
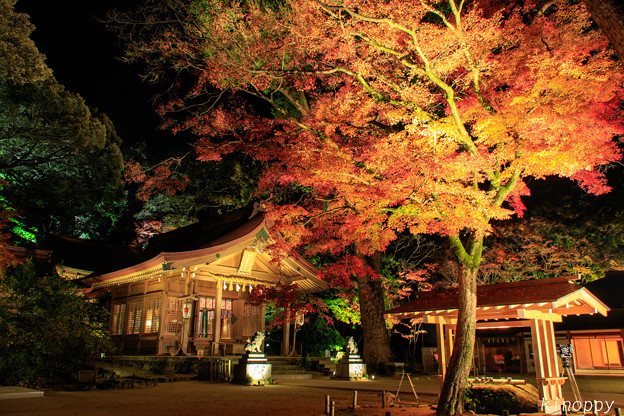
(58,158)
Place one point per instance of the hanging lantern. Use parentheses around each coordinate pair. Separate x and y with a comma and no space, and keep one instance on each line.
(187,309)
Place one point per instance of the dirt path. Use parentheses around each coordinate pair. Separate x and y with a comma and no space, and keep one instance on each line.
(202,398)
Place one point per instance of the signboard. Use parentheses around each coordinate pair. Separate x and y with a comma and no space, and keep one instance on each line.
(565,352)
(187,310)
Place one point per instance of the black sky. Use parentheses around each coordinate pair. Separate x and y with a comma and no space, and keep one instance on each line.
(84,56)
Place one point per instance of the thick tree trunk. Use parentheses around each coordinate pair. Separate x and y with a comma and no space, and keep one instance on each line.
(451,400)
(286,336)
(609,15)
(293,348)
(376,349)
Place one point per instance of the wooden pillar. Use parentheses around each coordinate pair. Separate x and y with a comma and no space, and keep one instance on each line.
(143,317)
(441,351)
(556,380)
(546,367)
(449,338)
(217,322)
(185,321)
(286,335)
(262,317)
(536,340)
(163,316)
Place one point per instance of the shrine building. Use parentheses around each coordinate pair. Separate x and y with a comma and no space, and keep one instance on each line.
(187,293)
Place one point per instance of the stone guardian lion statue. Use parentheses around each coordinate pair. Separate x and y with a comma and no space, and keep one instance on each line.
(255,344)
(351,347)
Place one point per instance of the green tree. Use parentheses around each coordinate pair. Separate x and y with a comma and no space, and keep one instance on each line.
(48,329)
(20,60)
(58,158)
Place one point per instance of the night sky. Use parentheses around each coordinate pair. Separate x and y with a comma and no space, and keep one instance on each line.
(84,56)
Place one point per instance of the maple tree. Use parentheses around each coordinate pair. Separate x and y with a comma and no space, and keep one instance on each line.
(174,192)
(390,117)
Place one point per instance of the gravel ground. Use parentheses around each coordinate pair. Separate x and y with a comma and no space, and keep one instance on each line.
(201,398)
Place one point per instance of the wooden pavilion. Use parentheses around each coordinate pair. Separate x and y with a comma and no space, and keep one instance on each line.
(188,292)
(532,303)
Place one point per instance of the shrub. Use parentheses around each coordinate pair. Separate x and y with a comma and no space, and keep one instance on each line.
(49,331)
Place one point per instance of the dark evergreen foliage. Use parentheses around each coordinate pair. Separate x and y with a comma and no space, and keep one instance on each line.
(48,330)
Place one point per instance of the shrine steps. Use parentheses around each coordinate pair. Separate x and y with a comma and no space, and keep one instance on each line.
(288,368)
(324,365)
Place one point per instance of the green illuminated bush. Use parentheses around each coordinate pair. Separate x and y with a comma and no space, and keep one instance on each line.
(48,329)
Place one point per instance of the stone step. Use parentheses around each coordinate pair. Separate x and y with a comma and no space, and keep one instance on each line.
(323,364)
(284,365)
(288,368)
(289,371)
(302,376)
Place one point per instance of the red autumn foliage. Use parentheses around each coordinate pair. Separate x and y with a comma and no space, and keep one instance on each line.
(356,104)
(289,305)
(160,178)
(340,274)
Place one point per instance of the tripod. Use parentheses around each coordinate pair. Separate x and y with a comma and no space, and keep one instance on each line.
(411,384)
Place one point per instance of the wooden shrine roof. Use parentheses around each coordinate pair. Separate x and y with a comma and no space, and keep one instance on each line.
(230,248)
(514,300)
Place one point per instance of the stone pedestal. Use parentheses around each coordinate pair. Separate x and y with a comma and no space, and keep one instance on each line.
(351,367)
(253,368)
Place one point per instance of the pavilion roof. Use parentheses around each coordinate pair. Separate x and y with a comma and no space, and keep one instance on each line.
(514,300)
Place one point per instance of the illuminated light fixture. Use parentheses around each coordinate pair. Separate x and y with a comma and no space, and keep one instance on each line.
(182,274)
(238,287)
(224,286)
(193,274)
(250,288)
(373,377)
